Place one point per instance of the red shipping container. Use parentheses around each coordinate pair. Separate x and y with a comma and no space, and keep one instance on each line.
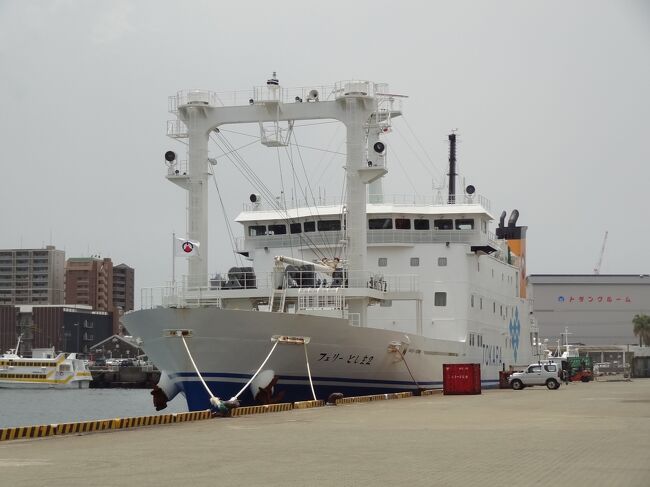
(461,379)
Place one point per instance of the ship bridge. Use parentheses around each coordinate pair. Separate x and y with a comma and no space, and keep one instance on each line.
(398,219)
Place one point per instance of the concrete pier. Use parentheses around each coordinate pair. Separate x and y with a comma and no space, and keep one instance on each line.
(595,434)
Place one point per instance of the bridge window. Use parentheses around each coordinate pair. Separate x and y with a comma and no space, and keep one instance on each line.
(415,261)
(440,299)
(442,261)
(465,224)
(382,261)
(309,226)
(420,224)
(295,228)
(329,225)
(443,224)
(380,223)
(256,230)
(277,229)
(402,224)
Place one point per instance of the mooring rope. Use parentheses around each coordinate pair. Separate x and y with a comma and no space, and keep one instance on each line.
(311,384)
(408,368)
(255,374)
(214,400)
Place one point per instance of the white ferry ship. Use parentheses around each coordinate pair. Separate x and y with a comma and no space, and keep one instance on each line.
(370,294)
(44,370)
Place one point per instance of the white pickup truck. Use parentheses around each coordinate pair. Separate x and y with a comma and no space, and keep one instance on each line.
(539,374)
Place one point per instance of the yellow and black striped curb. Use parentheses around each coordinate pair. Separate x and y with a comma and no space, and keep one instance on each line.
(268,408)
(274,408)
(308,404)
(24,432)
(375,397)
(431,392)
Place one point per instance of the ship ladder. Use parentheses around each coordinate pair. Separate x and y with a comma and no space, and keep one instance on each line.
(282,294)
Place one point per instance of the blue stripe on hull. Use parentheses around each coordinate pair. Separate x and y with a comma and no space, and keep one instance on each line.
(246,377)
(198,399)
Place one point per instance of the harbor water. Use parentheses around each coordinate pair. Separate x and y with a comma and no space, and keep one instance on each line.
(25,407)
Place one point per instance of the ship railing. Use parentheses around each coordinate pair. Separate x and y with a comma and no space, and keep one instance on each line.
(176,129)
(280,206)
(259,94)
(278,93)
(333,239)
(374,199)
(321,299)
(192,97)
(439,199)
(318,239)
(423,236)
(262,284)
(178,296)
(352,87)
(161,296)
(272,93)
(344,278)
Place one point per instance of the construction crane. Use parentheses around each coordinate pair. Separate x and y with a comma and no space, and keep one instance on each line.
(600,258)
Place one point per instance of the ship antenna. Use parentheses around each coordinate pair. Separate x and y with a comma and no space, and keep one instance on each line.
(452,167)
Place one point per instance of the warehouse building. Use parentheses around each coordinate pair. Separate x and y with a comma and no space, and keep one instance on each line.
(596,311)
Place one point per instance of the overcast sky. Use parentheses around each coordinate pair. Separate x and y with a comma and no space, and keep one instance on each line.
(550,98)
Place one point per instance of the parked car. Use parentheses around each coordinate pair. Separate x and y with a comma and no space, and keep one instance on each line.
(602,368)
(539,374)
(127,362)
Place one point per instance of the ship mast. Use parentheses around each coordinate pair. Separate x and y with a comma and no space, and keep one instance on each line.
(361,106)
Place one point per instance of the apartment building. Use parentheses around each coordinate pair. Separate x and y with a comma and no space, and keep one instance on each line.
(123,287)
(89,281)
(32,276)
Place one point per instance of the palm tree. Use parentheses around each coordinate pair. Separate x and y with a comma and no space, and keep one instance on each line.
(642,328)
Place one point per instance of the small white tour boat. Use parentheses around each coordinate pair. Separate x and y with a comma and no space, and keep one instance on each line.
(45,369)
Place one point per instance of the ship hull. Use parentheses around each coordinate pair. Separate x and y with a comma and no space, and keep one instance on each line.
(228,346)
